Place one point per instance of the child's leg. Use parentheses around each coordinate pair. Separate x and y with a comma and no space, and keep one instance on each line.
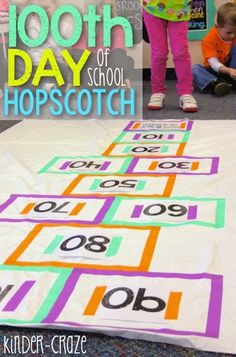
(179,45)
(157,32)
(203,76)
(233,57)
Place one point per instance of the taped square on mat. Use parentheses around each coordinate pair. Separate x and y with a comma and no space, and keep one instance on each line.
(153,137)
(86,164)
(168,124)
(54,208)
(100,247)
(166,212)
(177,304)
(186,165)
(147,150)
(134,185)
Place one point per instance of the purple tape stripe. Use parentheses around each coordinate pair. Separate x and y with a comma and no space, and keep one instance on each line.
(189,125)
(127,128)
(192,212)
(137,211)
(136,137)
(19,295)
(65,165)
(132,165)
(105,165)
(215,304)
(170,136)
(215,165)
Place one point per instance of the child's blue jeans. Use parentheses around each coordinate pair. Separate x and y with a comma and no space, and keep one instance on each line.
(203,76)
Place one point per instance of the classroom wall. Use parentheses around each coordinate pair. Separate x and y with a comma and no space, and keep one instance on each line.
(194,47)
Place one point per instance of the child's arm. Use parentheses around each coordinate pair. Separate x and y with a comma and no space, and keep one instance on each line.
(227,70)
(219,67)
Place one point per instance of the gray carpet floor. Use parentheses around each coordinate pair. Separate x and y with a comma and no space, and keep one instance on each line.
(97,345)
(210,107)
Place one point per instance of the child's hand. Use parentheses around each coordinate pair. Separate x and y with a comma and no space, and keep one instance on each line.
(232,73)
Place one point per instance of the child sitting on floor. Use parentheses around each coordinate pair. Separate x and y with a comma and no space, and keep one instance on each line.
(218,74)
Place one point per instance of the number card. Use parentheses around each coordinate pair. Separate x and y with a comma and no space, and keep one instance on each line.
(144,149)
(153,137)
(186,165)
(86,164)
(53,208)
(122,184)
(176,304)
(28,293)
(159,125)
(97,247)
(166,212)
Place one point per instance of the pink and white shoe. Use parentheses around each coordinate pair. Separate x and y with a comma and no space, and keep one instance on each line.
(156,101)
(188,103)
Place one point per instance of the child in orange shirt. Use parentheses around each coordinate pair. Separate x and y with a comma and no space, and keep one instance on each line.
(218,73)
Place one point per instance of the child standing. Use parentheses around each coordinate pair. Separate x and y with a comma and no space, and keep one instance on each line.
(163,19)
(218,74)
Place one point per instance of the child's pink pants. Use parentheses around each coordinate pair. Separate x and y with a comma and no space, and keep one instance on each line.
(159,31)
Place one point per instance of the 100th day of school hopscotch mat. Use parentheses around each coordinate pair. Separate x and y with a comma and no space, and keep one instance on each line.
(123,227)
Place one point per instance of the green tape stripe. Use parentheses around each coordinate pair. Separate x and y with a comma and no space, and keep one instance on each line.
(140,186)
(186,136)
(39,269)
(125,165)
(52,296)
(119,137)
(54,244)
(127,149)
(95,185)
(114,246)
(165,148)
(162,224)
(48,165)
(220,213)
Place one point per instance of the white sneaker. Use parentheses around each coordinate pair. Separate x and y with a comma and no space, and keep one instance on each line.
(156,101)
(188,103)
